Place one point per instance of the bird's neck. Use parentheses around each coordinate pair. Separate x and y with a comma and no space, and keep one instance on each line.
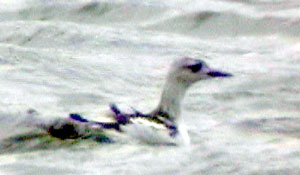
(171,98)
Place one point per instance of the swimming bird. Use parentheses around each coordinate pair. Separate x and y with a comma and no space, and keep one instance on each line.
(183,73)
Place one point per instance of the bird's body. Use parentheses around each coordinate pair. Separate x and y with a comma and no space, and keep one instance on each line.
(163,124)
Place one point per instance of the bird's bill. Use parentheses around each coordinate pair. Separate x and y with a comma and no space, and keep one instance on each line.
(217,73)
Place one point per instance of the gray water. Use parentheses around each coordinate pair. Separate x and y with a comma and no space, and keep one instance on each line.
(67,56)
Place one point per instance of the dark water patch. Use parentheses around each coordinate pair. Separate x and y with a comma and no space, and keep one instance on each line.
(60,11)
(201,17)
(215,24)
(89,7)
(32,132)
(55,136)
(185,22)
(32,141)
(96,8)
(95,12)
(287,126)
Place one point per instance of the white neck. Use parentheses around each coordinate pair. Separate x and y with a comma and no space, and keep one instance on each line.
(171,98)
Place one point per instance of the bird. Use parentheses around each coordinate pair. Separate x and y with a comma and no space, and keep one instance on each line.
(165,118)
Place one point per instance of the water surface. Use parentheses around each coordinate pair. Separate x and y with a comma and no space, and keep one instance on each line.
(77,56)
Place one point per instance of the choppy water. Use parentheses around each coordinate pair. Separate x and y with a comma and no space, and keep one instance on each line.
(77,56)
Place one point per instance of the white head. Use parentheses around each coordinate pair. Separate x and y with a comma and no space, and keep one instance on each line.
(188,71)
(183,73)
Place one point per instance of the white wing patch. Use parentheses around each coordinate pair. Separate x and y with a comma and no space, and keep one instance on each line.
(148,132)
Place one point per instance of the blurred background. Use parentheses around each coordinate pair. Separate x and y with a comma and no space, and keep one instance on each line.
(62,56)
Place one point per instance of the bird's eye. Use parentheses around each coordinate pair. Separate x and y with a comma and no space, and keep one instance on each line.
(195,68)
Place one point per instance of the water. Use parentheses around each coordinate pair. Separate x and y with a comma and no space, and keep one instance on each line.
(77,56)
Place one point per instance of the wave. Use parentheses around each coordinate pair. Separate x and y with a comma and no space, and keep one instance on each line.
(216,24)
(204,22)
